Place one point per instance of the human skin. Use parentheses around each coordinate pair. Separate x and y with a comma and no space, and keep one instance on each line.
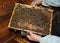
(34,37)
(36,2)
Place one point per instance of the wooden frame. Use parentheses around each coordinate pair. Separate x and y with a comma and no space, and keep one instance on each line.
(46,14)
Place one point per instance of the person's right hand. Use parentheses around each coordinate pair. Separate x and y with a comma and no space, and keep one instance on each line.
(34,37)
(36,2)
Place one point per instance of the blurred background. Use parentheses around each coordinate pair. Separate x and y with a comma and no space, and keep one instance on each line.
(6,8)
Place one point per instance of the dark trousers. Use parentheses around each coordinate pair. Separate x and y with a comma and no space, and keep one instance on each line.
(56,27)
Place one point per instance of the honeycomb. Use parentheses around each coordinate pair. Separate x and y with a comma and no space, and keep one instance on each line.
(36,19)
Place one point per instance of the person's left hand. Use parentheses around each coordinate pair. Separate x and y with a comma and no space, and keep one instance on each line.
(34,37)
(36,2)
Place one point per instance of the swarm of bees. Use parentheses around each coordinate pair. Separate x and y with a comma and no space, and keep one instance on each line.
(31,18)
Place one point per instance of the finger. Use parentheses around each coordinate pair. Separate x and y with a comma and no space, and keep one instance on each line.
(33,3)
(29,37)
(30,32)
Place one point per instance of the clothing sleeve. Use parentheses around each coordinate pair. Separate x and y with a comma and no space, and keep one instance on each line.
(55,3)
(50,39)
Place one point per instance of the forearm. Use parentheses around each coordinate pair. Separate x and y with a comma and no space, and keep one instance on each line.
(55,3)
(50,39)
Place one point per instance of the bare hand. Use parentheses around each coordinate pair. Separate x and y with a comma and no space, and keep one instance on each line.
(35,2)
(33,37)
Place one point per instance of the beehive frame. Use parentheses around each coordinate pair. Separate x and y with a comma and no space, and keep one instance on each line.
(31,19)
